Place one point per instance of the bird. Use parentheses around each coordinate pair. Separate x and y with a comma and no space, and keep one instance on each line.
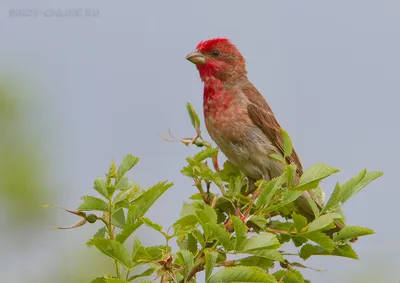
(239,119)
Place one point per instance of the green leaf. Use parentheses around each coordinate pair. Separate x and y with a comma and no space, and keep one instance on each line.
(127,163)
(269,190)
(206,216)
(229,171)
(118,218)
(149,197)
(320,223)
(112,172)
(186,259)
(100,186)
(187,242)
(287,143)
(290,174)
(211,260)
(218,231)
(99,234)
(334,200)
(344,251)
(185,223)
(115,280)
(321,239)
(357,183)
(199,237)
(289,197)
(240,233)
(128,194)
(147,272)
(113,249)
(127,231)
(262,241)
(269,254)
(277,157)
(299,222)
(204,154)
(153,225)
(258,220)
(241,274)
(262,262)
(313,175)
(289,276)
(92,203)
(194,118)
(137,245)
(351,232)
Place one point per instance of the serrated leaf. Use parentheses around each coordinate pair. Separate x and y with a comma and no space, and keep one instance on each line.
(344,251)
(219,232)
(321,239)
(240,233)
(211,260)
(127,164)
(241,274)
(128,194)
(289,276)
(187,261)
(350,232)
(313,175)
(185,223)
(357,183)
(289,197)
(199,237)
(229,170)
(118,218)
(194,118)
(204,154)
(320,223)
(270,254)
(99,234)
(258,220)
(113,249)
(147,272)
(128,230)
(264,263)
(269,190)
(299,222)
(334,200)
(152,225)
(137,245)
(287,143)
(100,186)
(149,197)
(92,203)
(262,241)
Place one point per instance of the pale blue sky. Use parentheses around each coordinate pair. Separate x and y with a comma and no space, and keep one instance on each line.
(109,85)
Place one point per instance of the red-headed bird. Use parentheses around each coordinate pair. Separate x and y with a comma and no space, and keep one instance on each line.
(239,119)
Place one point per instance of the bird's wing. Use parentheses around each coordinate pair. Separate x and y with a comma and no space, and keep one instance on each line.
(263,117)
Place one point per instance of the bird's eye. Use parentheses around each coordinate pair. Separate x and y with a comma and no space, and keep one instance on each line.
(216,53)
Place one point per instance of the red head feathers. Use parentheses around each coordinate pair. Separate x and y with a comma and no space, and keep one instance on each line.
(218,58)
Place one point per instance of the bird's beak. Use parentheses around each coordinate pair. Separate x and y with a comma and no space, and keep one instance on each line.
(196,57)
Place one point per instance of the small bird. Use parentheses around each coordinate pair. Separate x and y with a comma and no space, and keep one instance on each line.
(239,119)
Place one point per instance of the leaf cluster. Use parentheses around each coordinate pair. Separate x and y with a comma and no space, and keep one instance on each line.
(222,231)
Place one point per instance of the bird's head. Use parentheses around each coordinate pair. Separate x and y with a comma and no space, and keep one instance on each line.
(218,58)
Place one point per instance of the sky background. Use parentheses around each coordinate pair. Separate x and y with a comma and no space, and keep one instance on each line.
(94,88)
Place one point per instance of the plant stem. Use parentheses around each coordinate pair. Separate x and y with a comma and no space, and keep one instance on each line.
(111,233)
